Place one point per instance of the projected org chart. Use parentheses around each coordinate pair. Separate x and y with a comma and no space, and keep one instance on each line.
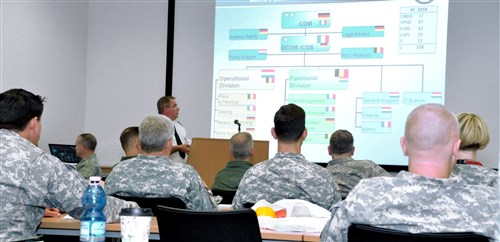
(302,85)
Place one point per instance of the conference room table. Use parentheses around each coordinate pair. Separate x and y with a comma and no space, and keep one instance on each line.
(71,227)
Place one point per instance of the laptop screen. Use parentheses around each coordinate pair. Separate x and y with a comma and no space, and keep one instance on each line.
(65,153)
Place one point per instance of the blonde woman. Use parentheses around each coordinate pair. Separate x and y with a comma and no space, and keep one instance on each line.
(475,136)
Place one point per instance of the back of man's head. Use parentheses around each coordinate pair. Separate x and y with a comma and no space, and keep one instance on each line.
(431,137)
(154,133)
(128,138)
(241,145)
(18,107)
(289,123)
(341,142)
(88,140)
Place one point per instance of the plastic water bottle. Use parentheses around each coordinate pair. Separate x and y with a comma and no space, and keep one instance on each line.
(93,221)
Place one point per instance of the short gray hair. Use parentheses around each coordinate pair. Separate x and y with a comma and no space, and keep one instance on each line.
(241,145)
(154,132)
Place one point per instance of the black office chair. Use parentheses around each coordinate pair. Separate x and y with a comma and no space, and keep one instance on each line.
(152,202)
(368,233)
(227,196)
(207,226)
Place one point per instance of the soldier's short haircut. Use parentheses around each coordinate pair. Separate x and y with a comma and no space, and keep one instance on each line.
(163,102)
(241,145)
(127,137)
(341,142)
(18,107)
(289,122)
(154,132)
(88,140)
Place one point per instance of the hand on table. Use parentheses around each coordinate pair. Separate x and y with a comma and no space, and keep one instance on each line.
(52,212)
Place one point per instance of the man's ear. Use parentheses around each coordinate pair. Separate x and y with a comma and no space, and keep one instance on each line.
(456,148)
(273,133)
(329,151)
(168,145)
(403,145)
(304,134)
(353,149)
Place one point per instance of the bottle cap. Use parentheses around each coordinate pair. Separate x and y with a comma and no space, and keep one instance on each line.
(136,212)
(94,179)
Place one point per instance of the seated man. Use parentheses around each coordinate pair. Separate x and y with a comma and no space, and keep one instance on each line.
(288,175)
(347,171)
(129,139)
(241,148)
(474,136)
(85,149)
(31,179)
(424,199)
(153,174)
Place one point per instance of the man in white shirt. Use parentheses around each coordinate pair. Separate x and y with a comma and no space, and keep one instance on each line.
(167,106)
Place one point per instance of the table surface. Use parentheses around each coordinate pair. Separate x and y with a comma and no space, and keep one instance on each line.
(73,224)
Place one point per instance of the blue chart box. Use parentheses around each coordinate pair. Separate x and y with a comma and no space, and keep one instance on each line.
(301,20)
(310,43)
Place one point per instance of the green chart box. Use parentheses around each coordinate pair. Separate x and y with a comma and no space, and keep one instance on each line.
(320,124)
(318,138)
(320,111)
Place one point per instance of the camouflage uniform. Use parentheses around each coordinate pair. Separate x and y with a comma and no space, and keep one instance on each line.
(348,172)
(285,176)
(476,175)
(89,167)
(229,178)
(32,180)
(158,176)
(416,204)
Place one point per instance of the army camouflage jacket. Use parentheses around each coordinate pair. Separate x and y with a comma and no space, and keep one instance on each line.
(158,176)
(287,176)
(348,172)
(416,204)
(32,180)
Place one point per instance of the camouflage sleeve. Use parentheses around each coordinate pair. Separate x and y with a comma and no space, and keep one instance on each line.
(379,171)
(66,189)
(335,229)
(199,196)
(87,169)
(238,199)
(114,206)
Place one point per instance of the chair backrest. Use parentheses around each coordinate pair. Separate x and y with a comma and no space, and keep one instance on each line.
(227,196)
(363,232)
(153,202)
(217,226)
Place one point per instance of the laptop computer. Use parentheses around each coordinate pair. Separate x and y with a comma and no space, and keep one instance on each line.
(65,153)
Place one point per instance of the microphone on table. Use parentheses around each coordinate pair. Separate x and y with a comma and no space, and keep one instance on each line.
(239,125)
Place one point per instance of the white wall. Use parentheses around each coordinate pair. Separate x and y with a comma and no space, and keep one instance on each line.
(472,73)
(44,50)
(125,69)
(101,65)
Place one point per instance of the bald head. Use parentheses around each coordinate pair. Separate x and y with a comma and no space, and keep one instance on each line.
(431,139)
(429,126)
